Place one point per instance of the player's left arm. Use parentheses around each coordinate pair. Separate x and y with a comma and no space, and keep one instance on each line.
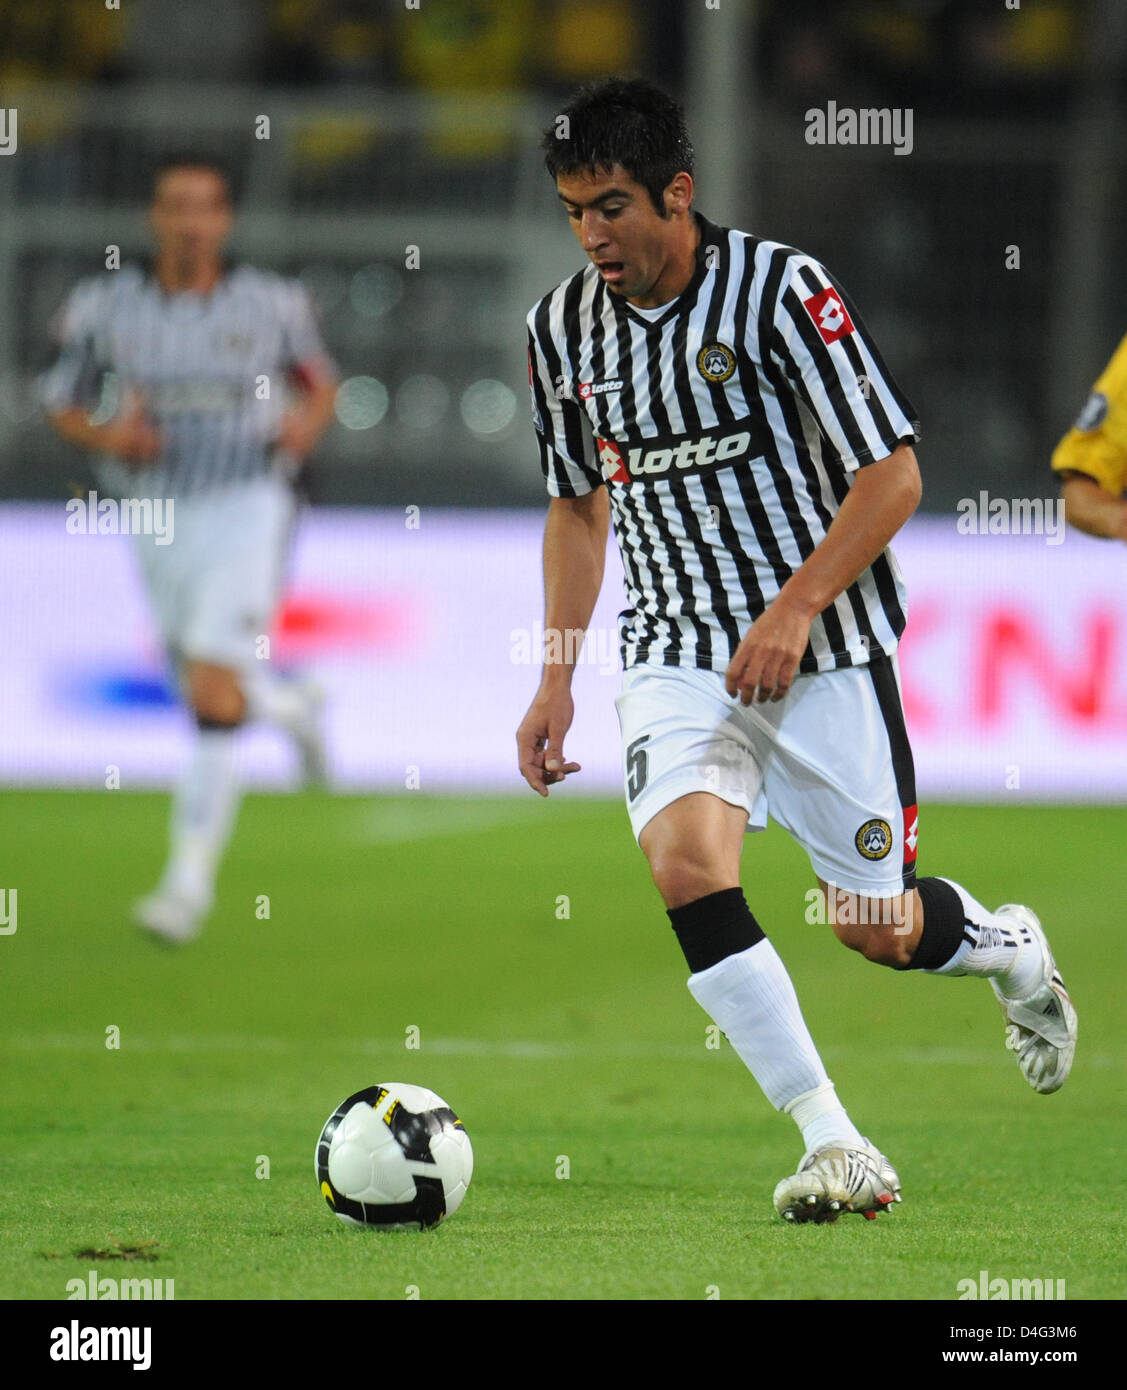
(883,496)
(312,375)
(816,347)
(308,419)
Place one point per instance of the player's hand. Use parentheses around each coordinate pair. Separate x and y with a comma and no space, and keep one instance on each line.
(766,661)
(131,437)
(540,740)
(298,434)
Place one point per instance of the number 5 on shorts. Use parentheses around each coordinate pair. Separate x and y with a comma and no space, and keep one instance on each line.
(637,766)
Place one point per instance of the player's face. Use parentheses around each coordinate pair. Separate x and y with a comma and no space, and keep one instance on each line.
(622,233)
(190,214)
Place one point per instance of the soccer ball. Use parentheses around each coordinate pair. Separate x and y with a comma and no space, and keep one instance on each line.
(394,1155)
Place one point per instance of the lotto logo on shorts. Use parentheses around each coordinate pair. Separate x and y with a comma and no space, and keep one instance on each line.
(911,833)
(613,465)
(829,314)
(874,839)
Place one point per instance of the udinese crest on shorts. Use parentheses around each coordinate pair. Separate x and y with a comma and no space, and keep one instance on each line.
(874,839)
(716,362)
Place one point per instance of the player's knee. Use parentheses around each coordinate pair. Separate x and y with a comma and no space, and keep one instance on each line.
(882,945)
(886,946)
(682,878)
(220,707)
(874,928)
(215,695)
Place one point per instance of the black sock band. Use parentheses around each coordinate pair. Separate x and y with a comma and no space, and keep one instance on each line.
(714,927)
(943,925)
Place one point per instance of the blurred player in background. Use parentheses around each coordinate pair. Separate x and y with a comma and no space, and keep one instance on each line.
(220,387)
(1091,459)
(720,397)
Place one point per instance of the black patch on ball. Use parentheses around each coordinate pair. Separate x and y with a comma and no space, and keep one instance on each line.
(413,1131)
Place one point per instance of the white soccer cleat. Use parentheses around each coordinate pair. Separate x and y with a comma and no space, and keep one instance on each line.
(1041,1028)
(838,1179)
(174,917)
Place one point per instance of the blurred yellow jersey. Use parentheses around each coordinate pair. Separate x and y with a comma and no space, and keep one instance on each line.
(1097,444)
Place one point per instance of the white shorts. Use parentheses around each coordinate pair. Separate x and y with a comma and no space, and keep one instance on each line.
(215,587)
(831,763)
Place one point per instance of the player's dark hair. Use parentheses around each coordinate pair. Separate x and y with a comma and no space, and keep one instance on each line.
(623,121)
(193,159)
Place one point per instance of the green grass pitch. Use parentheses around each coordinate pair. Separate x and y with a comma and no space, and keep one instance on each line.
(525,942)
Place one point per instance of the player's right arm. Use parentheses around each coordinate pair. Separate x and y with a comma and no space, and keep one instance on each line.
(128,436)
(70,389)
(1091,460)
(575,540)
(575,547)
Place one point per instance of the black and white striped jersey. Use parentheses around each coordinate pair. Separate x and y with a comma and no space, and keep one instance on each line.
(209,370)
(726,427)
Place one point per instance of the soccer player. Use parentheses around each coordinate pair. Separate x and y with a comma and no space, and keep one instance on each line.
(1091,459)
(222,388)
(718,395)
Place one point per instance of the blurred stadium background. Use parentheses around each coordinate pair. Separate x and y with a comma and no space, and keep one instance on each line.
(392,127)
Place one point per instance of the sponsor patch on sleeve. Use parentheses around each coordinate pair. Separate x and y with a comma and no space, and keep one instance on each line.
(831,317)
(1094,413)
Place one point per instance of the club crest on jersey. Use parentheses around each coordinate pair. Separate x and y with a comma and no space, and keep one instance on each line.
(238,344)
(874,839)
(831,318)
(716,362)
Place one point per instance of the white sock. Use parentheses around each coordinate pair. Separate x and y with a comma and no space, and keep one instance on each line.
(750,996)
(997,947)
(203,815)
(822,1119)
(272,699)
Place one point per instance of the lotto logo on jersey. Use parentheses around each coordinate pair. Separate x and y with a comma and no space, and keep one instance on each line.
(831,318)
(587,389)
(621,463)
